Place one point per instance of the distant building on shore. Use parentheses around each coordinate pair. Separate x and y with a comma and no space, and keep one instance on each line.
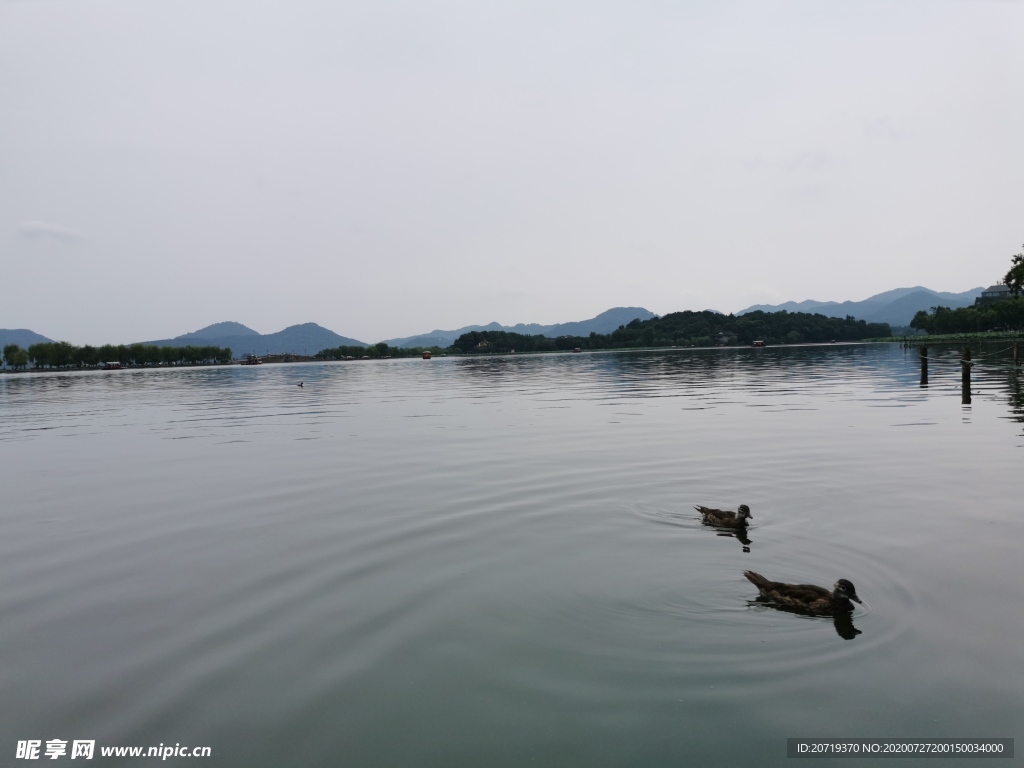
(997,292)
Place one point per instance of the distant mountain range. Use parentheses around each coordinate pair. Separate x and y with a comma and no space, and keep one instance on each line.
(310,338)
(606,322)
(896,307)
(305,339)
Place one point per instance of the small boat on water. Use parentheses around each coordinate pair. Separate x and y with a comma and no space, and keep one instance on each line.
(758,343)
(251,360)
(426,355)
(112,365)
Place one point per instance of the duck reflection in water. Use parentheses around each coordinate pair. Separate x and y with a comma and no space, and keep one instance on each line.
(737,533)
(810,600)
(842,622)
(731,524)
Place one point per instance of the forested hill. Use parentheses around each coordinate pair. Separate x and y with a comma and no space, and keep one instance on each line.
(20,336)
(769,327)
(606,322)
(305,339)
(686,328)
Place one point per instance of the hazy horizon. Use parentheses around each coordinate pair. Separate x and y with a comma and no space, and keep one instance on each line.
(388,169)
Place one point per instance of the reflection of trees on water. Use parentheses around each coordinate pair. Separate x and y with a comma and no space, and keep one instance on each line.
(842,622)
(992,372)
(670,372)
(658,373)
(1015,394)
(710,376)
(998,375)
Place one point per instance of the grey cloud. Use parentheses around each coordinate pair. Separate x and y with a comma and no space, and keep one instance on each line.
(808,161)
(809,193)
(883,127)
(44,230)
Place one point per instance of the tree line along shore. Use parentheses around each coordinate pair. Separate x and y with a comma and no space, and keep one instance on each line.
(62,354)
(697,329)
(1006,315)
(678,329)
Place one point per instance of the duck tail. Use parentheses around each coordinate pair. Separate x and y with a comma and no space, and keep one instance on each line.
(757,579)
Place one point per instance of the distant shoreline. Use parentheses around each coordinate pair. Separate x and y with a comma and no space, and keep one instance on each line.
(271,359)
(291,359)
(941,338)
(280,359)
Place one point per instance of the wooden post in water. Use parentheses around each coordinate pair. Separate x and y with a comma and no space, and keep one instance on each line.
(923,351)
(965,377)
(1016,354)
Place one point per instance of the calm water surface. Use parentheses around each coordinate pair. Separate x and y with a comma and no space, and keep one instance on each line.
(495,561)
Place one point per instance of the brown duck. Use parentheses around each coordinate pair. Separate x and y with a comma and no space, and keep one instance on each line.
(725,519)
(807,597)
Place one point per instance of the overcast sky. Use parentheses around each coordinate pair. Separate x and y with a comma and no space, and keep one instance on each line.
(388,167)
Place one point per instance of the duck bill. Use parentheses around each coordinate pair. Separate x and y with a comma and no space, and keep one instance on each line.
(855,599)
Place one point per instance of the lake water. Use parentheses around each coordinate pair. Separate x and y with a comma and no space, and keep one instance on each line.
(496,562)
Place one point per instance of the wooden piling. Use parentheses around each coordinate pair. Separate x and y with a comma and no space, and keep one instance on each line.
(923,351)
(965,377)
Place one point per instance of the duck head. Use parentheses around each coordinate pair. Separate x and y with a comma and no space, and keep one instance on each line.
(744,512)
(844,589)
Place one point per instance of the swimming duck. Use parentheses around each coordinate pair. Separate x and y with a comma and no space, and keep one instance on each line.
(725,519)
(807,597)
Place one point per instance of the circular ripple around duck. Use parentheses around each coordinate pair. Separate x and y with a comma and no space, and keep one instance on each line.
(763,639)
(685,517)
(619,649)
(887,611)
